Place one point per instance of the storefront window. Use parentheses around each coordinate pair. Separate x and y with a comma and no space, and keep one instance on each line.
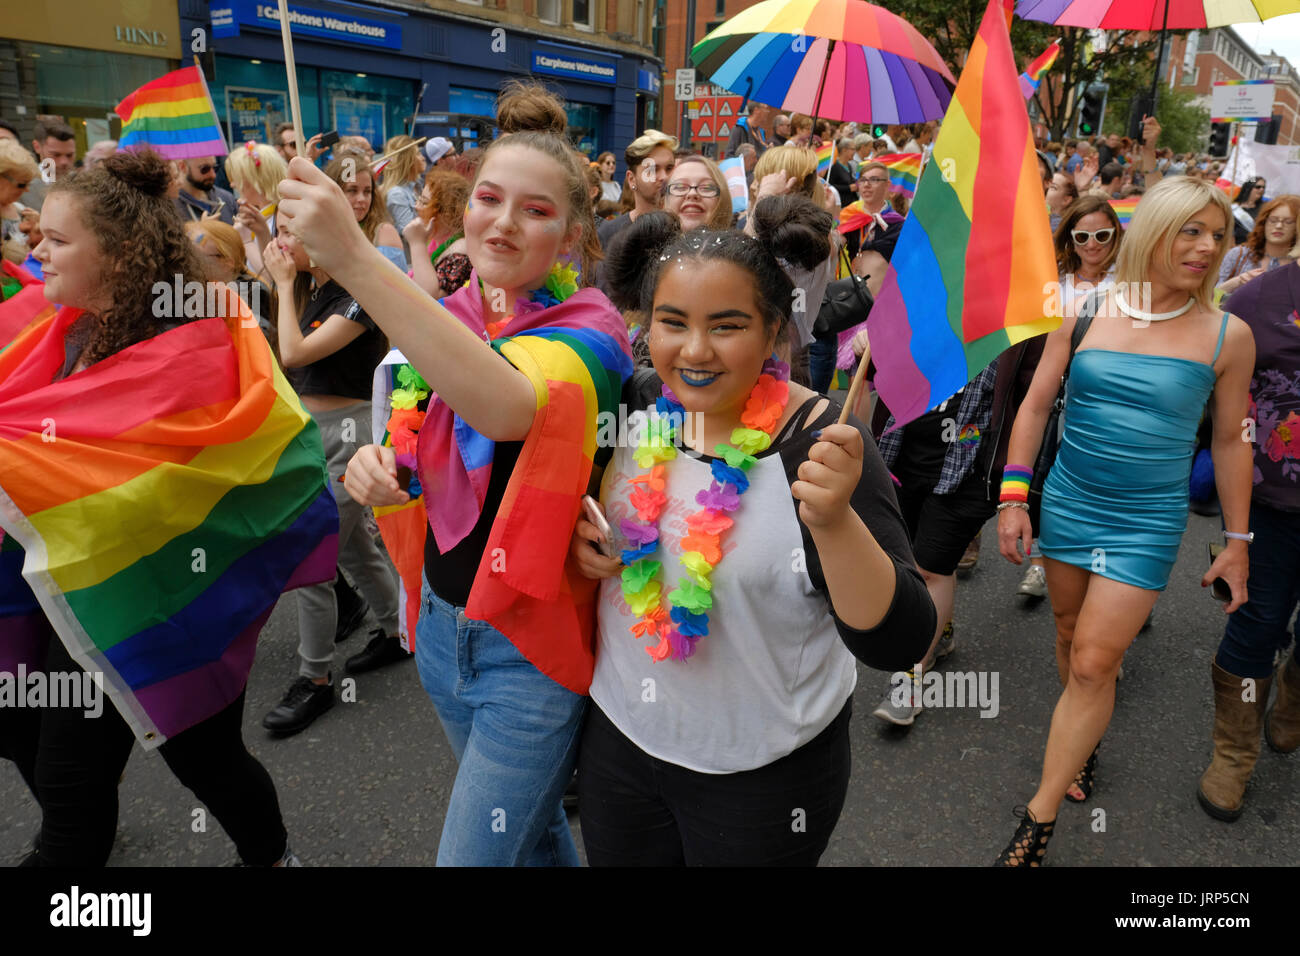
(376,107)
(84,86)
(252,99)
(585,123)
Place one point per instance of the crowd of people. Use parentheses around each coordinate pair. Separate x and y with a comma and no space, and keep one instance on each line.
(525,290)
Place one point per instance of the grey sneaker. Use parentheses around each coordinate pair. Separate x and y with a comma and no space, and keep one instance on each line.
(945,646)
(290,858)
(899,706)
(1034,583)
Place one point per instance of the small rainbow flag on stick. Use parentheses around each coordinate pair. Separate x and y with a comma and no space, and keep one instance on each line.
(174,116)
(904,170)
(1035,72)
(1124,209)
(825,156)
(967,278)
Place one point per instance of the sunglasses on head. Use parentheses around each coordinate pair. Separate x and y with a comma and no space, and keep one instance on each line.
(1102,236)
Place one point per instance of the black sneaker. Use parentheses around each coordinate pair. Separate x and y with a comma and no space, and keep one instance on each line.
(352,609)
(303,702)
(381,651)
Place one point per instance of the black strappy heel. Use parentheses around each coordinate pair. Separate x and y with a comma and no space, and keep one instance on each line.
(1029,845)
(1085,778)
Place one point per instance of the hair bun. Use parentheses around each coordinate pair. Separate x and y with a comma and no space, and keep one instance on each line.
(626,271)
(141,169)
(793,228)
(529,107)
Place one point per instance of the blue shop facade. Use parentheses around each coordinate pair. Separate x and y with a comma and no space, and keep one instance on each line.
(361,67)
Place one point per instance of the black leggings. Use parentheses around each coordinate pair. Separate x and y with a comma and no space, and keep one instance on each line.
(637,810)
(73,763)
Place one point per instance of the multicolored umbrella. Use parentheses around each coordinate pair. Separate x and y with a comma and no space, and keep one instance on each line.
(1153,14)
(841,59)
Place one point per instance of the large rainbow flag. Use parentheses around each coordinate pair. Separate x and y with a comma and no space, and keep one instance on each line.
(577,355)
(904,171)
(974,257)
(156,503)
(1036,70)
(174,116)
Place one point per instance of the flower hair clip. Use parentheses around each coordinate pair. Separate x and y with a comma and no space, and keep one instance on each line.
(252,151)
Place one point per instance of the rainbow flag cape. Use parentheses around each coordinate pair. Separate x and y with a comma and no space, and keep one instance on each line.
(904,170)
(967,277)
(1124,209)
(162,500)
(1036,70)
(577,355)
(172,115)
(825,157)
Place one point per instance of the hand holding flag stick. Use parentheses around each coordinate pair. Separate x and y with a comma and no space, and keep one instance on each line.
(855,388)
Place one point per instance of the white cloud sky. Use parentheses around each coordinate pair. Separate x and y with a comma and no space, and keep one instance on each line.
(1280,35)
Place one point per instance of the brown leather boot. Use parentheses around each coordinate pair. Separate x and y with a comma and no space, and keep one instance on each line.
(1282,722)
(1236,745)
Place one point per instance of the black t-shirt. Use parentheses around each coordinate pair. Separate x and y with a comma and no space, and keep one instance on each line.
(350,371)
(451,575)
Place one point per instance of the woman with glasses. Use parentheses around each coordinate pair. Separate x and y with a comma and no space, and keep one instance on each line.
(697,194)
(610,191)
(1266,247)
(1087,243)
(1115,502)
(17,170)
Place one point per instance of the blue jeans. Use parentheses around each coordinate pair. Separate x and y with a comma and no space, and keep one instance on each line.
(822,356)
(1257,629)
(515,734)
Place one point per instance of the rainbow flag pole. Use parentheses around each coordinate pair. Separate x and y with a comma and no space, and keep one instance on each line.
(173,115)
(952,300)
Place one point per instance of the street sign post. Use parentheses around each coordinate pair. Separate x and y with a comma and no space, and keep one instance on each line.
(685,84)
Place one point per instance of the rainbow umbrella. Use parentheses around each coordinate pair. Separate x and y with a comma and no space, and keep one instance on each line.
(840,59)
(1153,14)
(1162,15)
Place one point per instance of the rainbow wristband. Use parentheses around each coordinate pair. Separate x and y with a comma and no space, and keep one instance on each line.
(1015,483)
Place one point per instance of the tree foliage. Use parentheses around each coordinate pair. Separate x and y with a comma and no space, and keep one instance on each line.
(1087,56)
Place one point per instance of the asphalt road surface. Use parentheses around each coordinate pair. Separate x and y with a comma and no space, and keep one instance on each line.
(368,783)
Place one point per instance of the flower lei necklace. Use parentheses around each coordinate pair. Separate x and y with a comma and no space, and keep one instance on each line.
(410,399)
(561,282)
(680,628)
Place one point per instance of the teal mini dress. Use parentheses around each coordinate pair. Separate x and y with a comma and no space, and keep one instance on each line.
(1115,501)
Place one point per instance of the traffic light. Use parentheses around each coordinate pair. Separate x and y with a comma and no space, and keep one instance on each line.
(1092,107)
(1266,133)
(1219,133)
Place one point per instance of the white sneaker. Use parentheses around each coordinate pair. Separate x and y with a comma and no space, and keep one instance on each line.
(1034,583)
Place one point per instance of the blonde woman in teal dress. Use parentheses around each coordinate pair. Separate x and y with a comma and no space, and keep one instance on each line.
(1115,502)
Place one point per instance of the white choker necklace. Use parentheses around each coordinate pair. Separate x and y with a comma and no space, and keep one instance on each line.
(1133,313)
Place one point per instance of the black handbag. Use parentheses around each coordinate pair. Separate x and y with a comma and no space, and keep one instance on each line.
(1051,445)
(846,303)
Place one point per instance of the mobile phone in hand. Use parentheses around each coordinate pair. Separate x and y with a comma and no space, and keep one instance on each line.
(1219,588)
(328,139)
(611,545)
